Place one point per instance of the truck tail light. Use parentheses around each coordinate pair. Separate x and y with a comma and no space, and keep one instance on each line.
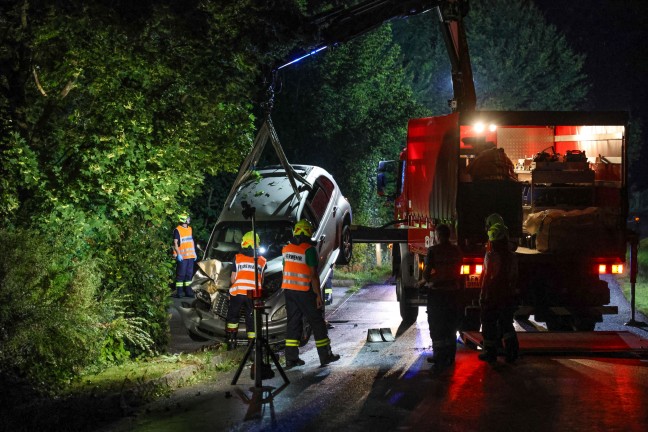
(465,269)
(610,268)
(479,269)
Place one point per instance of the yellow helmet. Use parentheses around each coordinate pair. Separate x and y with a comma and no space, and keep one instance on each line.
(303,227)
(248,240)
(497,232)
(182,218)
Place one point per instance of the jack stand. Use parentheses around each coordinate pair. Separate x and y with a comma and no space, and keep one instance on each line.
(259,344)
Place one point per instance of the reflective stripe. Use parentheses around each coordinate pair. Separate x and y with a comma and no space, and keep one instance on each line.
(186,246)
(292,343)
(251,335)
(322,342)
(232,326)
(244,281)
(296,273)
(180,284)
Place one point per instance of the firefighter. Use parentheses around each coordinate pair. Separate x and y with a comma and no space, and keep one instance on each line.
(184,252)
(441,275)
(243,282)
(302,290)
(498,296)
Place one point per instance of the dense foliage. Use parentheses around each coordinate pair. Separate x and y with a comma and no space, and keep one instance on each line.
(111,114)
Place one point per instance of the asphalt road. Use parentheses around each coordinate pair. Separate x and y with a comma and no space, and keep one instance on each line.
(388,386)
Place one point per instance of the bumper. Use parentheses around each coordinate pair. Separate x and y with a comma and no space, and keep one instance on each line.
(212,326)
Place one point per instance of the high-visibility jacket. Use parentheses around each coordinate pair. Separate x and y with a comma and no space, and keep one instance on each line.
(244,281)
(186,246)
(296,273)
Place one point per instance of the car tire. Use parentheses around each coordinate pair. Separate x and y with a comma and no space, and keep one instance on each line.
(346,246)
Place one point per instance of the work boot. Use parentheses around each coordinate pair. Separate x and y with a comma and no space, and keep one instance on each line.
(326,355)
(511,349)
(294,363)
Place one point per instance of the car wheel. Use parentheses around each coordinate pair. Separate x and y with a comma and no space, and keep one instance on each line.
(346,246)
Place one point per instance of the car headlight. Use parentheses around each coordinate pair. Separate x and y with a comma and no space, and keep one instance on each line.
(280,314)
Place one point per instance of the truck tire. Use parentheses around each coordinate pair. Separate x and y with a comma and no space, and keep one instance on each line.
(408,313)
(346,246)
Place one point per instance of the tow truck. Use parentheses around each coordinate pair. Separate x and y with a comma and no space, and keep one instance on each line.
(577,204)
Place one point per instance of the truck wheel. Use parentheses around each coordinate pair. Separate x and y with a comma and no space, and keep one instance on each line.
(408,313)
(346,246)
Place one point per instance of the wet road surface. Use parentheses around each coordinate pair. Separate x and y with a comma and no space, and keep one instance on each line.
(388,386)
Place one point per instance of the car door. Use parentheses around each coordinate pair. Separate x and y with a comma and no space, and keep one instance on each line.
(320,208)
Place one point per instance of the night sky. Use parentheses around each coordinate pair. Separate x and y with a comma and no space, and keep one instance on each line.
(613,35)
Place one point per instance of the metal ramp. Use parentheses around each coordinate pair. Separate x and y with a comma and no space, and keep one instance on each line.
(599,342)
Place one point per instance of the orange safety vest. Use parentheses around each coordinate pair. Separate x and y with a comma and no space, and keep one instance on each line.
(244,281)
(186,246)
(296,273)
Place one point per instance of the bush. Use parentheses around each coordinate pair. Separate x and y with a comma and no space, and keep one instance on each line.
(49,317)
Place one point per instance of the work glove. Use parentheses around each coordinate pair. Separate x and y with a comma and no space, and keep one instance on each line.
(179,258)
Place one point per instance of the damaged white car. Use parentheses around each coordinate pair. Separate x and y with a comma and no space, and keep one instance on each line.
(279,199)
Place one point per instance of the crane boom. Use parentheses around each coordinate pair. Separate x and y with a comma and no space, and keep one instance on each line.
(343,24)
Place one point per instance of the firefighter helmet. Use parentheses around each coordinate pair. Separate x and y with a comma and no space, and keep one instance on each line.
(183,218)
(248,240)
(303,227)
(497,232)
(493,219)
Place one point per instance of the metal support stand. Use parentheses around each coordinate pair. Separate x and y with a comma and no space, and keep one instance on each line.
(259,343)
(633,239)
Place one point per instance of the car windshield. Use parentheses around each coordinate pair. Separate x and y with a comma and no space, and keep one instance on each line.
(225,241)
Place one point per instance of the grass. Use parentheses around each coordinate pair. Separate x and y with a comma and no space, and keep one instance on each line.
(362,277)
(204,365)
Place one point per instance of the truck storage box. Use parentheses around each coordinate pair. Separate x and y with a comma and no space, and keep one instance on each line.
(578,231)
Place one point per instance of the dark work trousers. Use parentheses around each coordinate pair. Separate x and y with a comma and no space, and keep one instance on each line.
(184,273)
(497,323)
(236,302)
(443,319)
(302,304)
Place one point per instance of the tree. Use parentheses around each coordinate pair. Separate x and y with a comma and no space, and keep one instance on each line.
(111,114)
(519,61)
(345,111)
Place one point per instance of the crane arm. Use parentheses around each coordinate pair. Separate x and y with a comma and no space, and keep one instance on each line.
(343,24)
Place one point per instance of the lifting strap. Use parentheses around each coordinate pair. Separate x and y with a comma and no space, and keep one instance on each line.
(267,131)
